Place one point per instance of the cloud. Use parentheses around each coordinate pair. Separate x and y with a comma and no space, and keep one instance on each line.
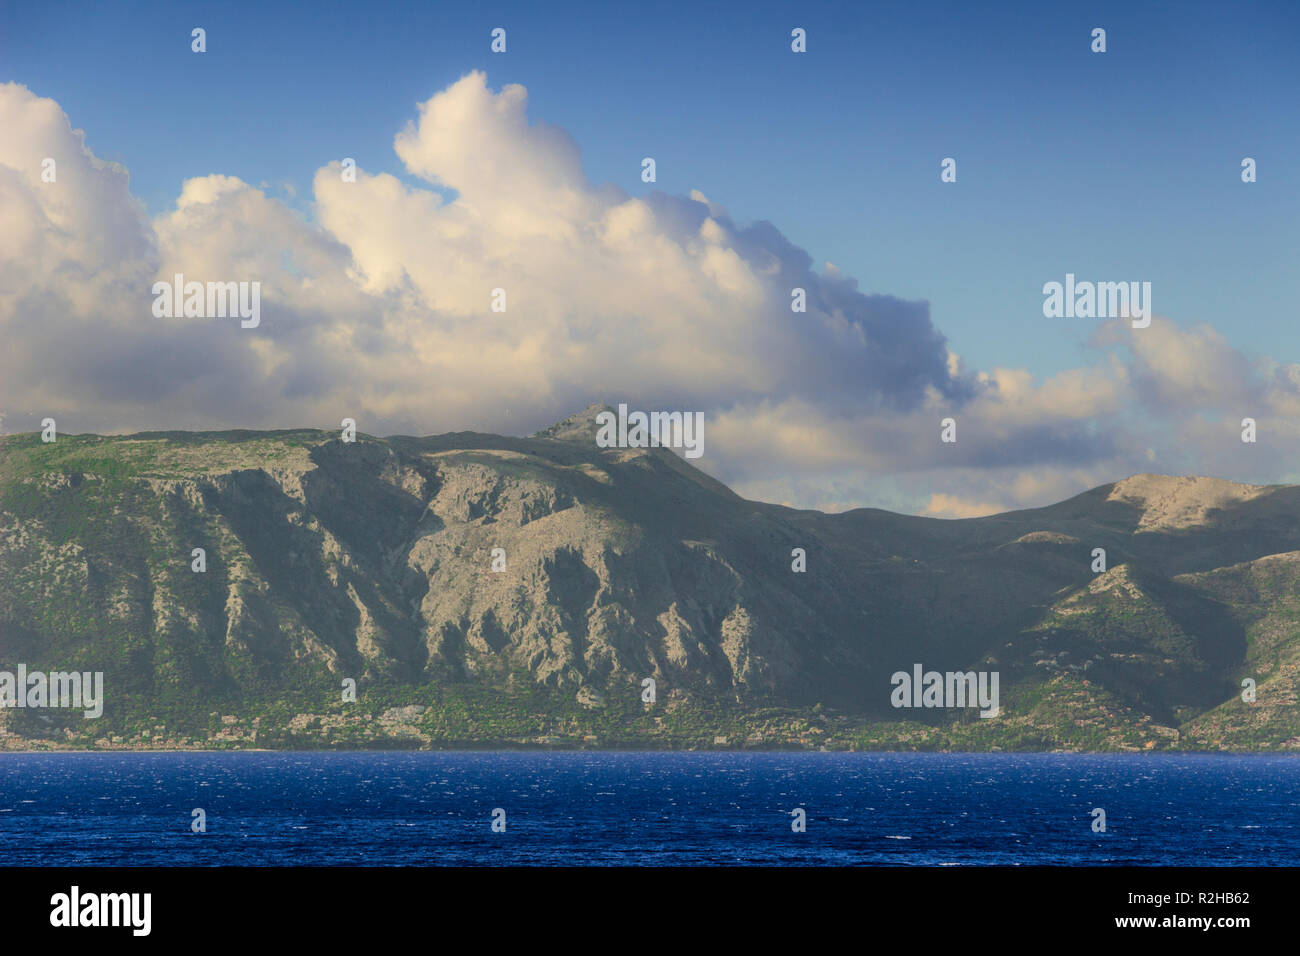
(941,505)
(378,307)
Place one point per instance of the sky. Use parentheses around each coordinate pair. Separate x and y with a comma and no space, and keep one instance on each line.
(774,169)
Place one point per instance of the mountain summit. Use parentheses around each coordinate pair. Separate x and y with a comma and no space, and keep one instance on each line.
(581,427)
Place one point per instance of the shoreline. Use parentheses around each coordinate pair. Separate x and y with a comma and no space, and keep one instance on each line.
(616,750)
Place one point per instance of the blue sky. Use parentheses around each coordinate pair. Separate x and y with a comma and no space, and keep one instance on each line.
(1123,164)
(1116,166)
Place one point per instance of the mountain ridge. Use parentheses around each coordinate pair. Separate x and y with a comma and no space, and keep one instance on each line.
(374,561)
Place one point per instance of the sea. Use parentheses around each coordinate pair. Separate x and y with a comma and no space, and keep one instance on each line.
(651,809)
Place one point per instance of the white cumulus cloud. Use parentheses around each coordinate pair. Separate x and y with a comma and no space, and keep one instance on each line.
(377,306)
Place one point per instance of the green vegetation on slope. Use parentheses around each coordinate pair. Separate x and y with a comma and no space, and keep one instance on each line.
(374,561)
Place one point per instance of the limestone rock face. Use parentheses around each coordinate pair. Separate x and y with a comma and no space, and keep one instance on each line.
(547,560)
(461,557)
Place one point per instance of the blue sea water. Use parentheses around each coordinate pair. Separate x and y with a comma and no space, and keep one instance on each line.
(647,809)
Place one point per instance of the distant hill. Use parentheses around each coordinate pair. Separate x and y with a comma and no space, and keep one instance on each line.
(373,560)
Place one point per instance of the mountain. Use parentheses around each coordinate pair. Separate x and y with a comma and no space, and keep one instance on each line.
(484,590)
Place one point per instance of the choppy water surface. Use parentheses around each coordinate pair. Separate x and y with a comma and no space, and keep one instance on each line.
(647,808)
